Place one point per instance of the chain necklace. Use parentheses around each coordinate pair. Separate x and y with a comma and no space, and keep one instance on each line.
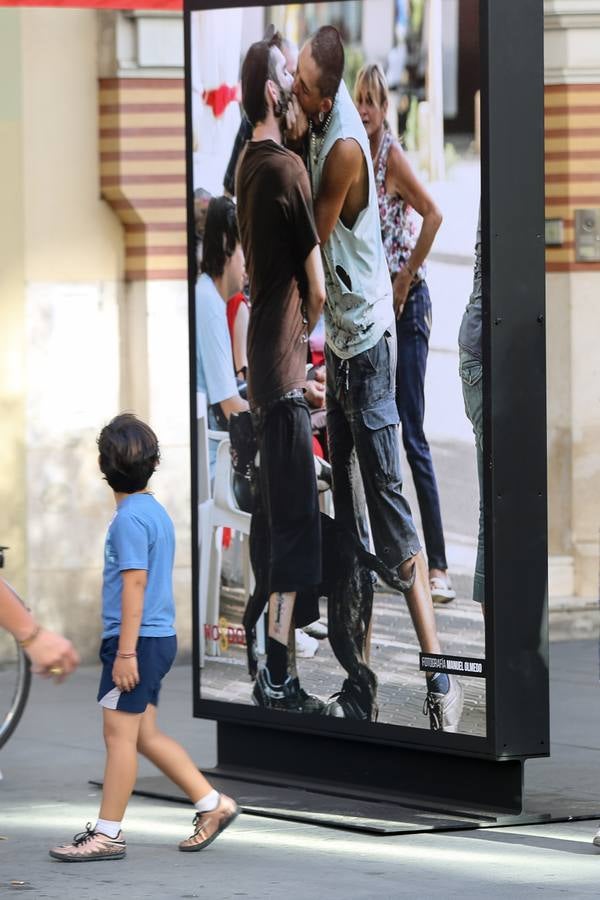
(318,139)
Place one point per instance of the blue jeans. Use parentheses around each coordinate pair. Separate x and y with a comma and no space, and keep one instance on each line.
(471,373)
(413,330)
(364,449)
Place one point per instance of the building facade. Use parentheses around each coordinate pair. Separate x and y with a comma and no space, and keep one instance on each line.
(93,317)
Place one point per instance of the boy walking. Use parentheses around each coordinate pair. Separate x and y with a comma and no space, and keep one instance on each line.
(138,649)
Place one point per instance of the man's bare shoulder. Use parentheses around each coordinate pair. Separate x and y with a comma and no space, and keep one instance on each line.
(346,151)
(345,155)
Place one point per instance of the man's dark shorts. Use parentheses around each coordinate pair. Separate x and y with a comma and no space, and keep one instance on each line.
(155,656)
(289,496)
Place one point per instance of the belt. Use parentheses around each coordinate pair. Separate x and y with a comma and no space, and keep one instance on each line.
(294,394)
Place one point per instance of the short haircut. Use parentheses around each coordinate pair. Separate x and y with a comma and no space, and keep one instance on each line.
(256,69)
(129,453)
(328,52)
(371,83)
(221,236)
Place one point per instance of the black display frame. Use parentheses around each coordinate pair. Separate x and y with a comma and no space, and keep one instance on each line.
(514,385)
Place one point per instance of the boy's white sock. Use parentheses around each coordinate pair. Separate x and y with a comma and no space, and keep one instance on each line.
(209,802)
(110,829)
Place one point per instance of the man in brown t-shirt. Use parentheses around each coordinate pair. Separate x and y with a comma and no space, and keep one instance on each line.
(287,293)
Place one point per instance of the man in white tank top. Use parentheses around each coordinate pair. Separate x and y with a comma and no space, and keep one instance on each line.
(362,418)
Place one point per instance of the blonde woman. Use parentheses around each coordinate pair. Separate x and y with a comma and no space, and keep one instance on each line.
(406,248)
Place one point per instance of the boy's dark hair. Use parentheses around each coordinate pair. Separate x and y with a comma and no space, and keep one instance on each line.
(256,69)
(328,52)
(129,453)
(221,236)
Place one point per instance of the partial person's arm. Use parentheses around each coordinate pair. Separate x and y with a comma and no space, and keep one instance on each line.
(125,669)
(240,339)
(232,405)
(401,180)
(216,353)
(315,300)
(314,392)
(46,650)
(341,172)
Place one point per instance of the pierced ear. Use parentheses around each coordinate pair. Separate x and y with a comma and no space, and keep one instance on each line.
(271,90)
(326,105)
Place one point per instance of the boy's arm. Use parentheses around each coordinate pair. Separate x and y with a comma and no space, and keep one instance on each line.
(132,607)
(125,670)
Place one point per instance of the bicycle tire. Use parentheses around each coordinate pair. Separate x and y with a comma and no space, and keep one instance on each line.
(20,696)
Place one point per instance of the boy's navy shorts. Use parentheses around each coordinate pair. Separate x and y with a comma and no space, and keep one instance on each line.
(155,656)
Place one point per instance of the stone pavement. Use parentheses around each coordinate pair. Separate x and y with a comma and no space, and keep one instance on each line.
(45,798)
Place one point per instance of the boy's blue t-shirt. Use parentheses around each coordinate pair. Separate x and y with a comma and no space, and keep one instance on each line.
(140,536)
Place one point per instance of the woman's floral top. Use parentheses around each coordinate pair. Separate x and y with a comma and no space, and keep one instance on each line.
(399,230)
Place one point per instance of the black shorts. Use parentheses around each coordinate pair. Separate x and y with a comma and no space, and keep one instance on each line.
(155,656)
(289,497)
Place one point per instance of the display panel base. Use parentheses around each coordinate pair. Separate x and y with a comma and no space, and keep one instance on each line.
(561,788)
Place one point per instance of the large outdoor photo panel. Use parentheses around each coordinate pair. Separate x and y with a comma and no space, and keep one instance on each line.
(430,53)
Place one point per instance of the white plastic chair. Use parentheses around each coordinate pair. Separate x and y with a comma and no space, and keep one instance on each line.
(217,509)
(223,512)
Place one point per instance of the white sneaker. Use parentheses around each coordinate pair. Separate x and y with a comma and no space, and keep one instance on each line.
(596,839)
(306,646)
(316,630)
(441,590)
(445,710)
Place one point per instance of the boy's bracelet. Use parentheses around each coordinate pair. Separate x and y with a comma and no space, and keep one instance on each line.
(126,655)
(30,637)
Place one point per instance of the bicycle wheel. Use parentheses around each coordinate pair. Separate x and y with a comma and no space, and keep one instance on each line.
(15,681)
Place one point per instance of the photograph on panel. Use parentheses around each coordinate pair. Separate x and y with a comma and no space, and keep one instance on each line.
(336,177)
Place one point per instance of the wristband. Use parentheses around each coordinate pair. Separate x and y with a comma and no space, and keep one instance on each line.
(126,655)
(31,637)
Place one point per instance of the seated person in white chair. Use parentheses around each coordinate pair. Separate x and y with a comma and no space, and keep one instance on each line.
(222,276)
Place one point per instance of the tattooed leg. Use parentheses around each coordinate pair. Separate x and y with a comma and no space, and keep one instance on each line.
(281,609)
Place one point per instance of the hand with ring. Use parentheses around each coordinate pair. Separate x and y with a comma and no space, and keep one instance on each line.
(52,655)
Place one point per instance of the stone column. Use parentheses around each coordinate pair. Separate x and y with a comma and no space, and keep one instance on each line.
(572,76)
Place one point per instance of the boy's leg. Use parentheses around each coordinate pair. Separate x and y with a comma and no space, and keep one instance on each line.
(213,814)
(121,731)
(170,757)
(120,736)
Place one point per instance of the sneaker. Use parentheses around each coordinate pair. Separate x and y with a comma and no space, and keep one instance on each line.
(288,696)
(445,710)
(310,703)
(306,646)
(209,825)
(441,590)
(352,702)
(91,845)
(317,630)
(596,839)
